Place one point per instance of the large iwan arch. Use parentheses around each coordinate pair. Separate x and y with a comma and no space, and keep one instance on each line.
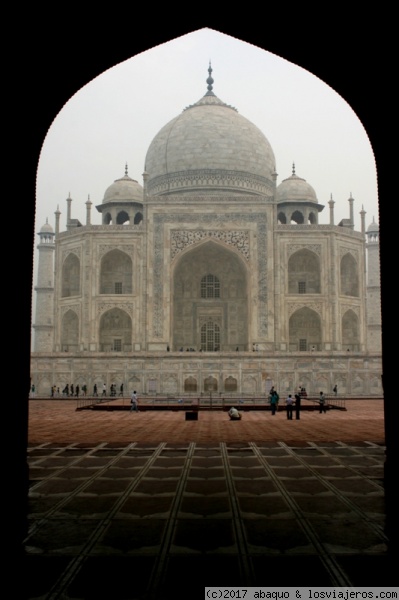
(210,300)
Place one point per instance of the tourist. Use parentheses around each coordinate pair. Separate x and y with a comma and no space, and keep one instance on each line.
(289,404)
(134,402)
(234,414)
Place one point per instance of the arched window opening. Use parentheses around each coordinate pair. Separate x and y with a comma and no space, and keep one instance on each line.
(210,287)
(281,218)
(122,218)
(138,218)
(297,217)
(210,337)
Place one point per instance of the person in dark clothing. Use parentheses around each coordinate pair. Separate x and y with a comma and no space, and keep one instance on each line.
(273,399)
(289,403)
(297,406)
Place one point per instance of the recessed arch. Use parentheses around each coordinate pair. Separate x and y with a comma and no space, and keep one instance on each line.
(116,273)
(349,276)
(230,384)
(304,272)
(190,384)
(297,217)
(350,331)
(71,276)
(196,312)
(305,331)
(122,218)
(70,332)
(115,332)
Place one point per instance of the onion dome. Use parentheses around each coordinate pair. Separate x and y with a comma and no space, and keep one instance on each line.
(210,149)
(373,227)
(124,189)
(295,189)
(46,228)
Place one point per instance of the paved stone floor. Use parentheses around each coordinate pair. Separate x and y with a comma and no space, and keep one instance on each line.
(149,505)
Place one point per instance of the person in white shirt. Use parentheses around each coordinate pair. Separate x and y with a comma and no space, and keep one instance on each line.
(234,414)
(134,402)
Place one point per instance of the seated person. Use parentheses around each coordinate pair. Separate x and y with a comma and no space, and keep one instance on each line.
(234,414)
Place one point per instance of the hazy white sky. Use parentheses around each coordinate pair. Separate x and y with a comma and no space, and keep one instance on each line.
(113,119)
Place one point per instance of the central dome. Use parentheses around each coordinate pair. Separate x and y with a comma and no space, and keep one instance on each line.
(210,149)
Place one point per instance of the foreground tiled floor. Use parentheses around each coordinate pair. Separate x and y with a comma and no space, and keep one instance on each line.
(126,506)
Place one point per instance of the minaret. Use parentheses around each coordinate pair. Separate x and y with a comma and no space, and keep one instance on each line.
(44,318)
(88,211)
(351,216)
(331,205)
(373,289)
(363,220)
(69,211)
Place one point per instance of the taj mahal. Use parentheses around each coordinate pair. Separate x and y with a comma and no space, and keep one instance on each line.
(210,276)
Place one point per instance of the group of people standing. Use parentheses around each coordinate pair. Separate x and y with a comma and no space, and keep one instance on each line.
(293,404)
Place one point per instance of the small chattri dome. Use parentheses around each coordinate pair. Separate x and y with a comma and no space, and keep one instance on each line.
(373,227)
(46,228)
(124,189)
(295,189)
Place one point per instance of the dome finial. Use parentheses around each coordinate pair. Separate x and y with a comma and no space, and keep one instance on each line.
(293,168)
(210,81)
(126,173)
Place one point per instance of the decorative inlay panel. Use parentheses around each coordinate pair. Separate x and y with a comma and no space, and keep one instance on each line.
(181,239)
(292,248)
(77,251)
(213,319)
(294,306)
(208,178)
(343,251)
(345,307)
(104,306)
(104,248)
(204,221)
(66,307)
